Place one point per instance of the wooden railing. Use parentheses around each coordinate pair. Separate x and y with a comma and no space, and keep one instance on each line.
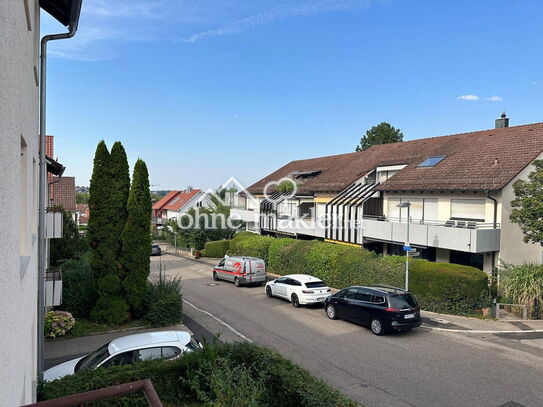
(120,390)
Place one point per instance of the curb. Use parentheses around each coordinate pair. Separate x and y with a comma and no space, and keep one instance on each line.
(477,331)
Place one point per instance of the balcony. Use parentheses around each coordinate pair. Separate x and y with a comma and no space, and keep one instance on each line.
(301,227)
(477,238)
(246,215)
(53,287)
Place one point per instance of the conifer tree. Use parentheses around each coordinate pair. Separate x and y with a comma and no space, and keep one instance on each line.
(120,190)
(110,307)
(136,239)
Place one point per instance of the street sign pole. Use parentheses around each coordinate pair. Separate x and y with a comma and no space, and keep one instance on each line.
(407,251)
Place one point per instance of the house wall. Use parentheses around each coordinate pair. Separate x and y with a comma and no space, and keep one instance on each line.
(19,43)
(512,247)
(191,203)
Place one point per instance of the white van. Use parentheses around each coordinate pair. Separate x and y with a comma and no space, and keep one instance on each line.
(241,270)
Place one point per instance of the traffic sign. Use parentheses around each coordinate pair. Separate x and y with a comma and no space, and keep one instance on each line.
(407,248)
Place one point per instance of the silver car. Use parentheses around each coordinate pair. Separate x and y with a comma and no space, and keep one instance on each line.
(241,270)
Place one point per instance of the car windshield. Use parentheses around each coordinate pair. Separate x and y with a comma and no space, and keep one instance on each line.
(94,359)
(315,284)
(402,301)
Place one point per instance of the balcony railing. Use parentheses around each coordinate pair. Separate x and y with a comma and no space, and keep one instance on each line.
(466,236)
(246,215)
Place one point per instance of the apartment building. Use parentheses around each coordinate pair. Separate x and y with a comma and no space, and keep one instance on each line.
(19,182)
(458,189)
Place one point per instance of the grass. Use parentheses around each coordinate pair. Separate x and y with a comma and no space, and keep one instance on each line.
(84,327)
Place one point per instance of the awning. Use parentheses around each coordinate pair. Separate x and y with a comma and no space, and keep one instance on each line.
(54,167)
(65,11)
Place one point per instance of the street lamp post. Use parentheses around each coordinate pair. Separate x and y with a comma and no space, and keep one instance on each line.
(407,246)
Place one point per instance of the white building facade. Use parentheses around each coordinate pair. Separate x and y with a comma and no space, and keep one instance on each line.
(19,47)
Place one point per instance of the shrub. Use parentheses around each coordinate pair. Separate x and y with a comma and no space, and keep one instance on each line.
(78,287)
(110,310)
(58,323)
(254,246)
(217,248)
(524,285)
(439,287)
(266,379)
(163,303)
(448,288)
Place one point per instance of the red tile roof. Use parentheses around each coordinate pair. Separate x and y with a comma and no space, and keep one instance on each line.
(164,200)
(481,160)
(180,199)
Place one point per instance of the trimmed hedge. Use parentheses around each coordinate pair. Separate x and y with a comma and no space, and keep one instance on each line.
(439,287)
(262,378)
(254,246)
(217,248)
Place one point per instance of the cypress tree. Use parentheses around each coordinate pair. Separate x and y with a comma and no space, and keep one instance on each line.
(110,307)
(136,239)
(120,190)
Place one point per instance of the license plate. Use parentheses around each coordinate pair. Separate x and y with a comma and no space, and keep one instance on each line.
(409,316)
(320,299)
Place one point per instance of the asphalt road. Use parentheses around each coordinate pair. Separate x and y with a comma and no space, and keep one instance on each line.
(418,368)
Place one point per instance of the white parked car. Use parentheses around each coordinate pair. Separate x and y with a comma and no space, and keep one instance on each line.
(128,350)
(300,289)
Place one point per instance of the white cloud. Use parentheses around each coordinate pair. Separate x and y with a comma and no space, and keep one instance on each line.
(495,99)
(277,13)
(468,97)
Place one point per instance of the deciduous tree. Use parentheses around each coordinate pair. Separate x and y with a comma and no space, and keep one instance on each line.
(528,205)
(383,133)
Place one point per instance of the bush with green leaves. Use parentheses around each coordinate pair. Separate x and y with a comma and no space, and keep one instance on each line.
(263,379)
(523,285)
(78,287)
(163,303)
(58,323)
(216,248)
(439,287)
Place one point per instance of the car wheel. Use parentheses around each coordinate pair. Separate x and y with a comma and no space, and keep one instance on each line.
(236,282)
(269,291)
(331,311)
(215,276)
(377,327)
(295,301)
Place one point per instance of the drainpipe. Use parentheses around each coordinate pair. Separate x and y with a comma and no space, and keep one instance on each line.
(42,204)
(494,271)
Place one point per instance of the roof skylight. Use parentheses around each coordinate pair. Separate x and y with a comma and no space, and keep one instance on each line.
(432,161)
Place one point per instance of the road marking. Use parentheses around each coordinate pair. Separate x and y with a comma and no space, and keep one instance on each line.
(220,321)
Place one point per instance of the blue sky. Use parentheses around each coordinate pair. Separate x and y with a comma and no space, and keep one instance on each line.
(206,89)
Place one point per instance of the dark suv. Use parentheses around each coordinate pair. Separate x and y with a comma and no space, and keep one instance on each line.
(381,308)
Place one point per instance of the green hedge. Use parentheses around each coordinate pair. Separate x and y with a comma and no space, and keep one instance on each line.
(216,248)
(439,287)
(238,374)
(254,246)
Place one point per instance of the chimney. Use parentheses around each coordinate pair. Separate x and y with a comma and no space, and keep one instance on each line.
(189,188)
(502,122)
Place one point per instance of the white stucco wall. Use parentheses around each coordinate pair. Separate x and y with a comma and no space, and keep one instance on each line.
(19,36)
(512,248)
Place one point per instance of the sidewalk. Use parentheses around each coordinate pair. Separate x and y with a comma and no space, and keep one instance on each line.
(435,321)
(59,348)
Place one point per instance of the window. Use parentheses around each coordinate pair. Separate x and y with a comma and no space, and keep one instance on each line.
(306,210)
(295,283)
(221,264)
(122,359)
(432,161)
(472,209)
(94,359)
(149,354)
(282,280)
(377,299)
(351,294)
(315,284)
(363,296)
(402,301)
